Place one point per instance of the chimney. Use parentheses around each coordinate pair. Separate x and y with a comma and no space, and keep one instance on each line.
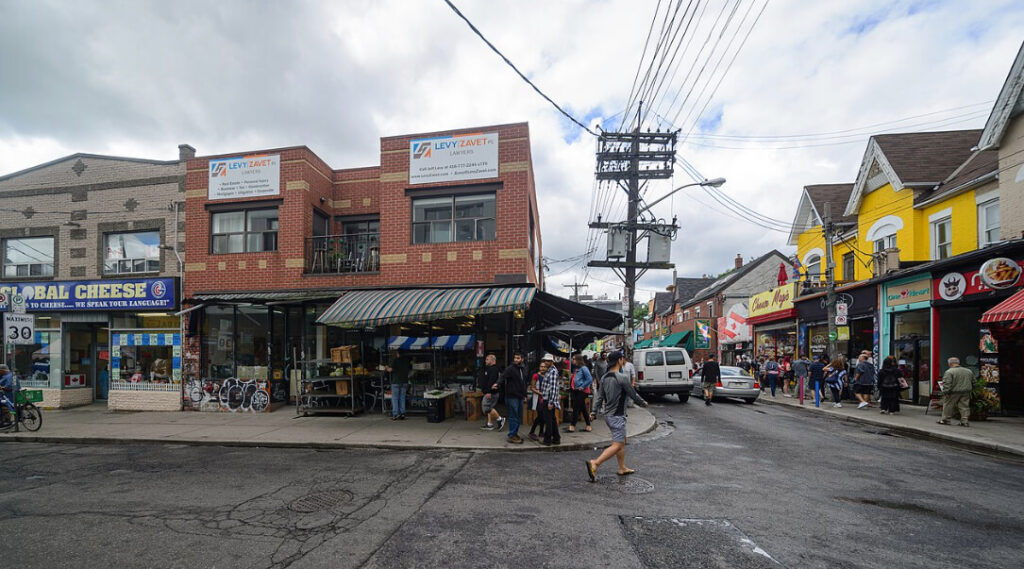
(186,152)
(739,260)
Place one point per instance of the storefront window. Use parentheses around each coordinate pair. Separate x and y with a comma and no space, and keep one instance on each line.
(142,359)
(131,252)
(28,257)
(219,341)
(253,335)
(38,364)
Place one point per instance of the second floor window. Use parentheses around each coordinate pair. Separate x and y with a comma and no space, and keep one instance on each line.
(988,223)
(814,268)
(30,257)
(848,267)
(453,218)
(942,239)
(131,253)
(246,231)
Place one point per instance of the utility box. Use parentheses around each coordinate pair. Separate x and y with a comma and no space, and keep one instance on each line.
(618,242)
(659,248)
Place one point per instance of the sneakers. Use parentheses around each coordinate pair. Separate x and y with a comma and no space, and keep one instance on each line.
(514,439)
(862,405)
(487,427)
(787,395)
(707,402)
(943,422)
(501,423)
(837,405)
(534,437)
(964,424)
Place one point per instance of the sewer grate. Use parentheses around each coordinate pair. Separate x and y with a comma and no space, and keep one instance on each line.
(320,501)
(627,484)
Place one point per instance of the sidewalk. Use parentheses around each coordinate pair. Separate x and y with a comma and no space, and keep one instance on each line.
(94,424)
(999,434)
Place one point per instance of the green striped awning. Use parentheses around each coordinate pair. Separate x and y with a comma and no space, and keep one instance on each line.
(642,344)
(674,340)
(359,308)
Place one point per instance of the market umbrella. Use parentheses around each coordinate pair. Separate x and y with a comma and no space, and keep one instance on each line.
(573,330)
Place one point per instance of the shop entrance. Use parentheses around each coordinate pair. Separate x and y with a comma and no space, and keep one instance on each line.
(87,354)
(914,360)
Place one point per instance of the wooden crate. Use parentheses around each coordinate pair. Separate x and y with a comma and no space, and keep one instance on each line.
(344,354)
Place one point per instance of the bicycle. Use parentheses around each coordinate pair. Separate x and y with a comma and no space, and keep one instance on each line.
(29,416)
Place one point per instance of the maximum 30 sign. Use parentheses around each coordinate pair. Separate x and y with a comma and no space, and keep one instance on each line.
(19,328)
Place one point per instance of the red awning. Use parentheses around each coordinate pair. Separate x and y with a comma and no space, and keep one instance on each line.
(1006,311)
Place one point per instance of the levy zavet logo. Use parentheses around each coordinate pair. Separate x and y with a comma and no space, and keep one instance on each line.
(219,169)
(421,150)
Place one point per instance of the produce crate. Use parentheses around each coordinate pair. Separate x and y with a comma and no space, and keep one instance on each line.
(29,396)
(344,354)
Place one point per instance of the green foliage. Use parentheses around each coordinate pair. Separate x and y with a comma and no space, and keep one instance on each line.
(983,399)
(639,312)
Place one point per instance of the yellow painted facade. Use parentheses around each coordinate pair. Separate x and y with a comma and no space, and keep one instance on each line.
(914,240)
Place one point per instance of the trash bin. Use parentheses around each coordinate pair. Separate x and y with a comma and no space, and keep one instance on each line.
(435,410)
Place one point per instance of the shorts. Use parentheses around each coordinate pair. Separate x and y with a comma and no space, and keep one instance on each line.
(489,402)
(617,425)
(864,389)
(709,385)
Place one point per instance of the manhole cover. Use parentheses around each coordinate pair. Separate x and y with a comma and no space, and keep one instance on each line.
(320,501)
(628,484)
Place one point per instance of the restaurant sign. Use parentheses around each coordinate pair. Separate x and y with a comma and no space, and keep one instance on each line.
(774,300)
(996,273)
(125,294)
(909,293)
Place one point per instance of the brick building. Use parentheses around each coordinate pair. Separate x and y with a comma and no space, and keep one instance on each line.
(88,243)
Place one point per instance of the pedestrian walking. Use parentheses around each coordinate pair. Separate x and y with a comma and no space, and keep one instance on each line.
(787,375)
(399,369)
(630,371)
(600,365)
(836,379)
(579,390)
(552,402)
(537,402)
(801,366)
(512,384)
(709,377)
(889,386)
(816,376)
(610,400)
(864,381)
(957,384)
(744,364)
(489,402)
(771,373)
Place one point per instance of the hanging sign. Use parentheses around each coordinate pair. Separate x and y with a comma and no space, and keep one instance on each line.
(1000,272)
(702,329)
(19,328)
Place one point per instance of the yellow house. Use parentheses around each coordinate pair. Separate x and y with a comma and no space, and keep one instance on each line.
(918,197)
(809,237)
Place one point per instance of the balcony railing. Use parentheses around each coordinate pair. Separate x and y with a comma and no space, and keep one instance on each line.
(338,254)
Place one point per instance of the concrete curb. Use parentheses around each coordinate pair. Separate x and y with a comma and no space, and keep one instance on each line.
(958,441)
(650,420)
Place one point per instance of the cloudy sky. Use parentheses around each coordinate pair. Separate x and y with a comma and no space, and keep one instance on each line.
(136,78)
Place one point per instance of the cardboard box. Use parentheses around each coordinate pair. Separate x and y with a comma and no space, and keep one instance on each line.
(344,354)
(342,387)
(259,373)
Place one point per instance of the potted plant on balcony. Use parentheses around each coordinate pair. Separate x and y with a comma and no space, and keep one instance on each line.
(983,400)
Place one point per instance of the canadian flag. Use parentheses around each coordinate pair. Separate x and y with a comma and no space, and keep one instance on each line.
(734,325)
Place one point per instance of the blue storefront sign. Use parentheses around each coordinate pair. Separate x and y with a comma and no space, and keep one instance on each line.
(112,294)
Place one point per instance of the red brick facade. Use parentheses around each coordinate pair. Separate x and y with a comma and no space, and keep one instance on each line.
(308,183)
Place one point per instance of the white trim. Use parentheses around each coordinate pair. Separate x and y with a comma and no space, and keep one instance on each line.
(983,197)
(873,153)
(816,251)
(1009,95)
(884,227)
(806,206)
(982,206)
(948,212)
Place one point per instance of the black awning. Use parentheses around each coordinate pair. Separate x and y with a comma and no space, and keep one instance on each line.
(551,310)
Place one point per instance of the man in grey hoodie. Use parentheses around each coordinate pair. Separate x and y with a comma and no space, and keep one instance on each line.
(612,392)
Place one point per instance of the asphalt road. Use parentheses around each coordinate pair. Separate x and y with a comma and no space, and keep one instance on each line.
(731,485)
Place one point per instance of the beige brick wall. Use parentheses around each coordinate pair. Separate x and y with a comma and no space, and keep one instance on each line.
(52,191)
(143,401)
(1011,180)
(65,398)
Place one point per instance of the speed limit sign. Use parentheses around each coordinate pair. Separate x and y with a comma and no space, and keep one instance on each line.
(19,328)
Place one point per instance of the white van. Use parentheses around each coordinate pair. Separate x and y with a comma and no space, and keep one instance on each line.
(664,370)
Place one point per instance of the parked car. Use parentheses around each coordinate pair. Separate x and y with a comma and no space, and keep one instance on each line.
(662,371)
(735,383)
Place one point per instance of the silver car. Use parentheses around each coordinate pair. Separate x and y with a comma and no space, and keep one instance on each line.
(735,383)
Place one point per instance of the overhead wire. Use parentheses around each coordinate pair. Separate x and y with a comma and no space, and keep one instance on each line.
(643,55)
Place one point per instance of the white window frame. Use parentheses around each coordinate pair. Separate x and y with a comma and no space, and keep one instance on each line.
(934,221)
(711,309)
(983,207)
(46,269)
(124,265)
(696,311)
(686,315)
(813,275)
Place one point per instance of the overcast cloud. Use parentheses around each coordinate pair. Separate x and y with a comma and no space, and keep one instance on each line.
(138,78)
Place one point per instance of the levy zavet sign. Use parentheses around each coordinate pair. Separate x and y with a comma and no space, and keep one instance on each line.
(245,177)
(452,158)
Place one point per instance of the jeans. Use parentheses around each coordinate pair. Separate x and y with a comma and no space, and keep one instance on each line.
(836,396)
(398,393)
(514,405)
(551,433)
(773,379)
(579,407)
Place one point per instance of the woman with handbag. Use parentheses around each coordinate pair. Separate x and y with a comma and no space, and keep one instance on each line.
(889,386)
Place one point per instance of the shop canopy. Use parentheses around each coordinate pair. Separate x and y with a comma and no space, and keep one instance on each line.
(643,344)
(1009,310)
(365,308)
(676,339)
(551,310)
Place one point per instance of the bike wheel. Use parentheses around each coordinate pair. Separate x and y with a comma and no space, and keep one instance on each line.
(31,417)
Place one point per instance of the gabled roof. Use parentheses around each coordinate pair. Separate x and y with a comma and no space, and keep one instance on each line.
(979,169)
(727,280)
(811,210)
(662,300)
(86,155)
(1009,105)
(686,288)
(911,159)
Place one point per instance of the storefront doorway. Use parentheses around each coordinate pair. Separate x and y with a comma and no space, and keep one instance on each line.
(913,357)
(87,352)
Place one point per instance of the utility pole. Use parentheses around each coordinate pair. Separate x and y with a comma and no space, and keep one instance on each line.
(576,289)
(620,156)
(830,281)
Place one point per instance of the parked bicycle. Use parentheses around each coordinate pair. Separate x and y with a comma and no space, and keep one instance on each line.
(29,416)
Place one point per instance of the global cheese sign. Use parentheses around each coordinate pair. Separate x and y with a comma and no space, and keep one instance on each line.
(127,294)
(452,158)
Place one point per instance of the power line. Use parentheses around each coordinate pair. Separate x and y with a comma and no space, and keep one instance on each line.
(516,69)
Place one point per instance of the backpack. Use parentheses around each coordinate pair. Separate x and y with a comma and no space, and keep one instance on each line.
(771,368)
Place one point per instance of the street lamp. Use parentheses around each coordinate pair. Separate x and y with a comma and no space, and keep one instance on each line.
(714,183)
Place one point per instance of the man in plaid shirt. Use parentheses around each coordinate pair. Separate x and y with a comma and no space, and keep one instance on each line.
(549,391)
